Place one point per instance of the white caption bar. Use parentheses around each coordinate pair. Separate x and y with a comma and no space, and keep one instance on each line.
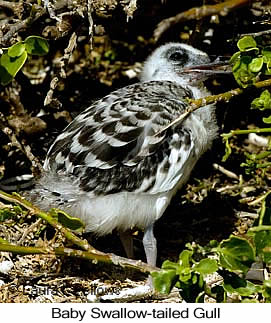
(151,312)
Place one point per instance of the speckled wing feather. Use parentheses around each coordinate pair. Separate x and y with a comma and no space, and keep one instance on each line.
(111,147)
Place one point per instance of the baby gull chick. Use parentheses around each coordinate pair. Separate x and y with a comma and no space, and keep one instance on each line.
(113,167)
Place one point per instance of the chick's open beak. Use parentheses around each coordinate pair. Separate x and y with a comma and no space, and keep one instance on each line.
(214,68)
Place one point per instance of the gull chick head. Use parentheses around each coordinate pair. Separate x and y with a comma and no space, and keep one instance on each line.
(177,62)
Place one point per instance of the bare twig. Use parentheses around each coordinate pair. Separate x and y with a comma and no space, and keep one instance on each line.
(9,5)
(126,295)
(61,63)
(258,200)
(257,34)
(244,214)
(86,255)
(36,13)
(225,171)
(28,230)
(49,96)
(51,10)
(64,3)
(90,21)
(36,165)
(228,188)
(130,9)
(198,13)
(68,51)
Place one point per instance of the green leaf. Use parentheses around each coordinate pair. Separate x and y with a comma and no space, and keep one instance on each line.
(213,243)
(206,266)
(6,213)
(236,254)
(266,52)
(267,120)
(9,66)
(259,228)
(249,300)
(16,49)
(234,284)
(191,290)
(67,221)
(200,297)
(185,258)
(262,240)
(167,264)
(267,71)
(267,289)
(241,72)
(184,273)
(263,102)
(256,64)
(228,149)
(184,267)
(247,43)
(164,280)
(18,210)
(11,212)
(36,45)
(265,217)
(3,241)
(235,58)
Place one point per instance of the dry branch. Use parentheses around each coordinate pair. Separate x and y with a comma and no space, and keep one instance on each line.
(85,255)
(14,198)
(88,252)
(198,13)
(9,5)
(225,171)
(36,165)
(36,13)
(62,62)
(257,34)
(90,21)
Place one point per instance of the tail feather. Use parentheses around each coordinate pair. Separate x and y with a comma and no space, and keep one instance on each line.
(52,191)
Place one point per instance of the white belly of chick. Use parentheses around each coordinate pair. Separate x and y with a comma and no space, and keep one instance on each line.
(120,211)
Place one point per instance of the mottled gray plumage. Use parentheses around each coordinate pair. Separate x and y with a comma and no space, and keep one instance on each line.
(110,169)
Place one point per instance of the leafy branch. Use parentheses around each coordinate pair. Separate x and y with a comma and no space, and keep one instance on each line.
(14,57)
(95,257)
(86,251)
(195,104)
(251,62)
(231,260)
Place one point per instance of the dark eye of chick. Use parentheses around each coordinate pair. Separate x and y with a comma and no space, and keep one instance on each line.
(178,56)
